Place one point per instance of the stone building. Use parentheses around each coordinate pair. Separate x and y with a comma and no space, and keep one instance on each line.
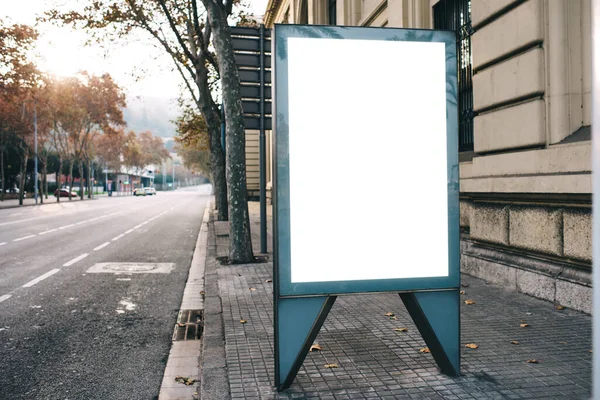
(524,135)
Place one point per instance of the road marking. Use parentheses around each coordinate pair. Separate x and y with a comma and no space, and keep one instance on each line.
(51,230)
(5,297)
(2,244)
(23,238)
(73,261)
(41,278)
(81,222)
(129,231)
(118,237)
(103,245)
(121,279)
(66,226)
(138,226)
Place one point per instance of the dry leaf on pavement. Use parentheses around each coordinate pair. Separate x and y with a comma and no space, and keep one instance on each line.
(469,302)
(243,321)
(394,318)
(563,342)
(534,361)
(180,324)
(471,346)
(389,314)
(514,342)
(524,325)
(401,329)
(462,292)
(331,365)
(464,284)
(253,289)
(424,350)
(269,280)
(315,347)
(559,307)
(185,380)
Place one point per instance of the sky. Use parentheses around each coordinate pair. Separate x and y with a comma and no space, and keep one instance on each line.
(136,65)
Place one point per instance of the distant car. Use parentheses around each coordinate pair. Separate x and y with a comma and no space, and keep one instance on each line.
(139,192)
(64,192)
(150,191)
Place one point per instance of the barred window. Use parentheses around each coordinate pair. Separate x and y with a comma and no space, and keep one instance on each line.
(456,15)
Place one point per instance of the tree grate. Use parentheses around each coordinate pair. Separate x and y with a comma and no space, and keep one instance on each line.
(188,326)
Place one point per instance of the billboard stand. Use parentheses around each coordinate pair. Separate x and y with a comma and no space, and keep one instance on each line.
(298,321)
(329,106)
(437,317)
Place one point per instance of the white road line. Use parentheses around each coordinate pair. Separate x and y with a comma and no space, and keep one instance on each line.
(138,226)
(118,237)
(23,238)
(123,279)
(41,278)
(66,226)
(5,297)
(81,222)
(2,244)
(103,245)
(51,230)
(129,231)
(73,261)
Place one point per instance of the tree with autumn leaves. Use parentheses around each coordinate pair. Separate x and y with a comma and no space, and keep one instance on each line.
(189,31)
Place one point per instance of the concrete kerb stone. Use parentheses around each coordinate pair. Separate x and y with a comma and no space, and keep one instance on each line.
(214,381)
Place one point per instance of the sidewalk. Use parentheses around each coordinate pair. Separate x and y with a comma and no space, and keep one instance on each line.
(374,360)
(30,201)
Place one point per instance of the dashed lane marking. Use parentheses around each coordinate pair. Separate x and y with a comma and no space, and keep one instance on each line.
(103,245)
(51,230)
(5,297)
(118,237)
(41,278)
(2,244)
(23,238)
(76,259)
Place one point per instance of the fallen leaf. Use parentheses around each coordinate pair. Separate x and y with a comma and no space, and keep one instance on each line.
(202,293)
(269,280)
(514,342)
(389,314)
(252,289)
(524,325)
(590,351)
(534,361)
(315,347)
(243,321)
(331,366)
(522,320)
(559,307)
(464,284)
(180,324)
(471,346)
(488,283)
(563,342)
(394,318)
(469,302)
(401,329)
(185,380)
(424,350)
(462,292)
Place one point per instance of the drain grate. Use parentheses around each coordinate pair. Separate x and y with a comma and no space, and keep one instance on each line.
(188,326)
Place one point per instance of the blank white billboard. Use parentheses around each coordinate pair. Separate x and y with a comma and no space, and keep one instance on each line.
(367,159)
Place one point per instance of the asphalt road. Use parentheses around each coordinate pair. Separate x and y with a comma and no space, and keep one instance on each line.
(67,333)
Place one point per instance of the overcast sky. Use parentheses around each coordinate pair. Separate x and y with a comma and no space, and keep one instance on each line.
(62,52)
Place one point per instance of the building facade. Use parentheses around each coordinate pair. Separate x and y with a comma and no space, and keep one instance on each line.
(524,135)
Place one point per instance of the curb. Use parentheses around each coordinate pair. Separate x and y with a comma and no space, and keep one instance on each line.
(184,355)
(3,207)
(214,383)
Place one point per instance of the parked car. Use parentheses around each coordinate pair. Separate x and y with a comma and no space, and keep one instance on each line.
(150,191)
(139,192)
(64,192)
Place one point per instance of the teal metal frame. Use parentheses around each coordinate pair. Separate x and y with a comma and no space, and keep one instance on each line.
(301,308)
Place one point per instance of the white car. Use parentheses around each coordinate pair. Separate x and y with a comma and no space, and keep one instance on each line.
(150,191)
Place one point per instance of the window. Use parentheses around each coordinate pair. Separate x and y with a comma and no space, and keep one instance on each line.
(332,11)
(456,15)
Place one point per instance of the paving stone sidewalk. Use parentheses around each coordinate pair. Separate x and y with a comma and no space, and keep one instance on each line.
(375,361)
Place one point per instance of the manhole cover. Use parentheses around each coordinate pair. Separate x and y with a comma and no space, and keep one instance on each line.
(131,268)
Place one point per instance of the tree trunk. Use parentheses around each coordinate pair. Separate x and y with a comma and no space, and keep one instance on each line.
(2,186)
(22,178)
(58,178)
(71,162)
(90,181)
(240,249)
(45,175)
(81,193)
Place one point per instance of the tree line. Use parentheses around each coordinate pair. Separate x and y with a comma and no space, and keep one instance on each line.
(77,122)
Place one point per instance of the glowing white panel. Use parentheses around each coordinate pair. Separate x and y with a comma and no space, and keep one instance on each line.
(368,168)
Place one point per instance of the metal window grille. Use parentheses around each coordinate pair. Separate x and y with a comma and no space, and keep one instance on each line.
(332,9)
(456,15)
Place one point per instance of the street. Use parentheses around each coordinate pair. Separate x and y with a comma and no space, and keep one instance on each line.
(68,333)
